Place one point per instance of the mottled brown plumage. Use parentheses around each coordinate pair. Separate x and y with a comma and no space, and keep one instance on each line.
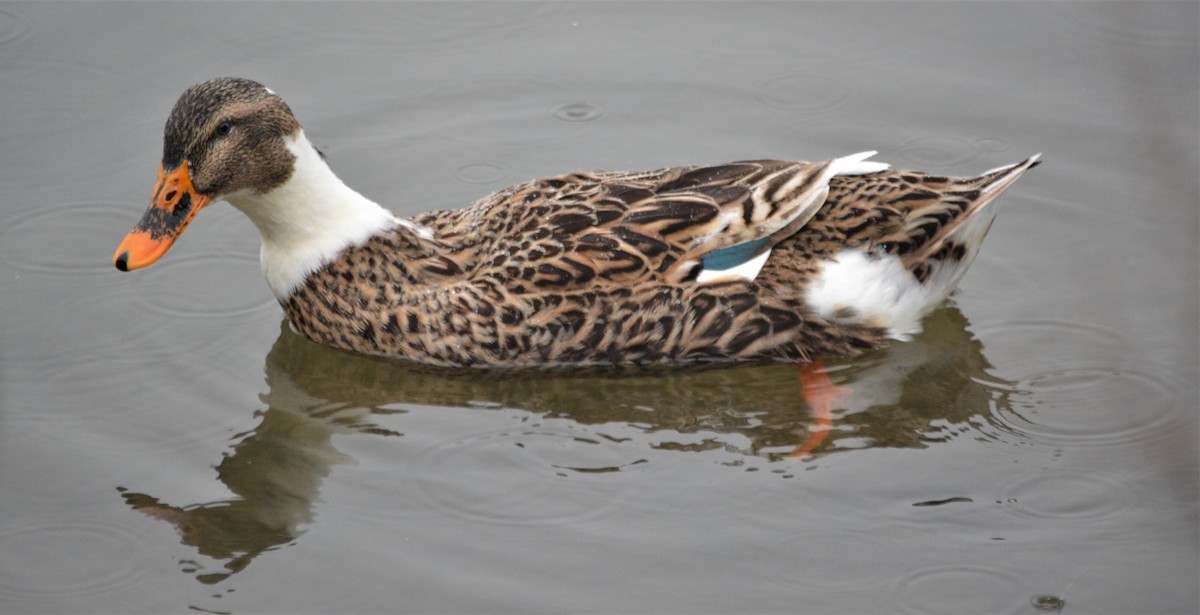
(572,270)
(601,267)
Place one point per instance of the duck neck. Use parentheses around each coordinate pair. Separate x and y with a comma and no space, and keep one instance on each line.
(308,220)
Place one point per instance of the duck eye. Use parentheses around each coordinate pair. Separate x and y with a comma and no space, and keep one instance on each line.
(224,127)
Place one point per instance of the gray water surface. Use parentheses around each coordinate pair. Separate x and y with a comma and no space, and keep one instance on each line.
(168,445)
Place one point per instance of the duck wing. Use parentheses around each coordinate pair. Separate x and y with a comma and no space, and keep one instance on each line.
(669,225)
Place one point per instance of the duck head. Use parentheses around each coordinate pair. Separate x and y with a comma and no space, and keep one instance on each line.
(224,138)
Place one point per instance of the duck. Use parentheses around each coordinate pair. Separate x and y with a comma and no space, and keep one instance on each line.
(755,260)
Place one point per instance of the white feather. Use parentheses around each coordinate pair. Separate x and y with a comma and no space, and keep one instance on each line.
(992,187)
(854,164)
(877,290)
(857,164)
(309,220)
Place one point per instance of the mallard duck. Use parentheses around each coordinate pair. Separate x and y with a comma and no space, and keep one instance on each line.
(751,260)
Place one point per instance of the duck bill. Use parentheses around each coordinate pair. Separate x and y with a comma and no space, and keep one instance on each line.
(172,207)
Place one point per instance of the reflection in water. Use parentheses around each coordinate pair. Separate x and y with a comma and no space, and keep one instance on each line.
(910,395)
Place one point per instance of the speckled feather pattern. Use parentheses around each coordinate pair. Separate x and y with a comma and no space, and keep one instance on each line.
(574,269)
(599,268)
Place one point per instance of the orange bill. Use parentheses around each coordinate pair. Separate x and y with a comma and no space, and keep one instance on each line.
(172,207)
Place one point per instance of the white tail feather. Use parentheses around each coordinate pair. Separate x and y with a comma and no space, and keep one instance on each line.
(1014,171)
(857,164)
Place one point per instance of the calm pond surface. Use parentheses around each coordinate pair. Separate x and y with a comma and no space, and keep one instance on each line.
(167,445)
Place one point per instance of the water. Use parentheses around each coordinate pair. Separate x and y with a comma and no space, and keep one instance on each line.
(167,446)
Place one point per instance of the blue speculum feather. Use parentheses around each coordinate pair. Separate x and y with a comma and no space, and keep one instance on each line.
(730,257)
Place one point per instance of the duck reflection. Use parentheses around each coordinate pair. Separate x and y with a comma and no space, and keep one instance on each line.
(908,395)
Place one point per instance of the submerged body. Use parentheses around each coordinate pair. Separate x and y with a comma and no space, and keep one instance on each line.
(749,260)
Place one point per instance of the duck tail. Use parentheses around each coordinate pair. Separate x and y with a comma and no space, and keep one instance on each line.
(907,272)
(970,227)
(944,259)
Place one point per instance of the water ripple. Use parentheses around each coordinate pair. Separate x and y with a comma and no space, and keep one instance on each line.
(93,413)
(512,111)
(464,24)
(1130,24)
(940,151)
(1064,494)
(1071,385)
(48,239)
(12,26)
(226,285)
(802,92)
(553,474)
(992,145)
(109,323)
(961,589)
(1049,337)
(93,157)
(45,560)
(481,172)
(1090,405)
(579,111)
(849,559)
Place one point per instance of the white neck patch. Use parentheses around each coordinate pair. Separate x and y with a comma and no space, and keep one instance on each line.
(309,220)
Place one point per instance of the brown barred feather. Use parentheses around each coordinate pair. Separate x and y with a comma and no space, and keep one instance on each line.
(585,268)
(572,269)
(582,268)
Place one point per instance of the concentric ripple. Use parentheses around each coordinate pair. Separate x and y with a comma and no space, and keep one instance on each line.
(848,559)
(91,413)
(802,92)
(578,111)
(12,26)
(461,24)
(1069,385)
(61,104)
(109,323)
(1064,494)
(1090,405)
(481,172)
(1126,24)
(549,475)
(509,112)
(962,590)
(939,152)
(1050,341)
(35,240)
(218,286)
(992,144)
(66,559)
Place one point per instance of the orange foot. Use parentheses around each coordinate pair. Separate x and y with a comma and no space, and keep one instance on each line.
(822,396)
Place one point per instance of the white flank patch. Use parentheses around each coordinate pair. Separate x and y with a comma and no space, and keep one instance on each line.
(748,269)
(876,290)
(309,220)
